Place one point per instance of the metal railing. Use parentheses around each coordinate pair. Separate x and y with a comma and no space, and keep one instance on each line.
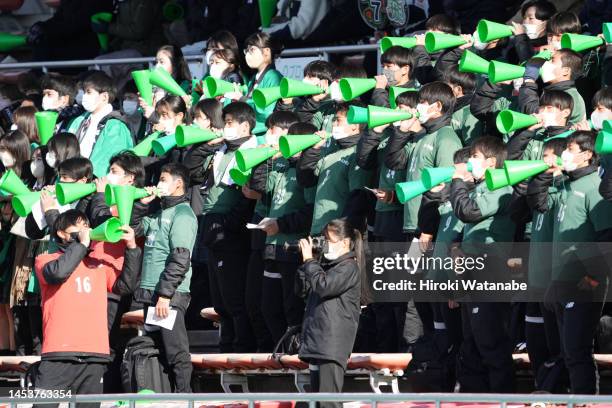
(311,398)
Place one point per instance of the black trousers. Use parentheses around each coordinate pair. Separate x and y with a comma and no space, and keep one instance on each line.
(541,334)
(279,303)
(265,342)
(228,274)
(327,376)
(485,357)
(176,348)
(27,321)
(79,378)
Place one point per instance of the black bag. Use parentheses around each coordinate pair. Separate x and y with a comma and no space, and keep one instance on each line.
(290,343)
(143,367)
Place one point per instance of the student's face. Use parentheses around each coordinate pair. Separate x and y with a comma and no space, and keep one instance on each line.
(8,160)
(553,116)
(234,129)
(170,186)
(341,122)
(396,72)
(321,83)
(599,115)
(170,120)
(201,120)
(480,164)
(71,233)
(554,41)
(162,59)
(256,57)
(574,158)
(67,179)
(336,246)
(118,177)
(52,101)
(94,100)
(530,17)
(273,135)
(218,67)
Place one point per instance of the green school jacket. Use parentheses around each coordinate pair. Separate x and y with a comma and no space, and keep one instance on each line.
(270,79)
(579,111)
(387,178)
(221,197)
(466,125)
(449,229)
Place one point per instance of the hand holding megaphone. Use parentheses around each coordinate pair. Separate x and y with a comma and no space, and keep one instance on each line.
(553,162)
(412,124)
(462,172)
(47,200)
(129,237)
(235,95)
(469,41)
(323,135)
(153,194)
(84,237)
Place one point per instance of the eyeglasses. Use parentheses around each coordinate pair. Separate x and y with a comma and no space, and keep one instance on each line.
(251,49)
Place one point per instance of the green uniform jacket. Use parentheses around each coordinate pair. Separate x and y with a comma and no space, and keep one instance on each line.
(271,78)
(448,231)
(466,125)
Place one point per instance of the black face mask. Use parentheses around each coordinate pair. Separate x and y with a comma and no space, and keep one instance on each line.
(74,237)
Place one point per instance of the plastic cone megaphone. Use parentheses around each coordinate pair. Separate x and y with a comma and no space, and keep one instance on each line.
(188,135)
(240,177)
(501,71)
(508,121)
(603,143)
(143,84)
(161,78)
(432,176)
(293,144)
(394,91)
(496,179)
(173,11)
(143,149)
(405,42)
(9,42)
(471,62)
(357,114)
(290,88)
(607,32)
(607,125)
(216,87)
(22,203)
(579,42)
(102,37)
(262,97)
(45,122)
(124,198)
(489,30)
(109,194)
(544,54)
(519,170)
(12,184)
(67,193)
(410,189)
(246,159)
(435,42)
(267,10)
(163,145)
(378,116)
(353,87)
(109,231)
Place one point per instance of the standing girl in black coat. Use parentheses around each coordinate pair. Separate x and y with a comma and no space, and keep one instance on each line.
(333,287)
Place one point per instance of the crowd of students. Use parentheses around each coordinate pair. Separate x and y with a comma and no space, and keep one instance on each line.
(55,302)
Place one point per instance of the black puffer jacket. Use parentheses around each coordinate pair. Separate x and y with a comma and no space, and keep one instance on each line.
(332,308)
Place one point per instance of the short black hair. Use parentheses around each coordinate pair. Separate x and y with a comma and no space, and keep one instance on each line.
(66,220)
(490,146)
(603,97)
(213,110)
(443,23)
(466,80)
(543,9)
(572,60)
(559,99)
(563,22)
(408,98)
(241,112)
(173,103)
(585,139)
(76,168)
(131,164)
(343,107)
(177,170)
(65,145)
(263,40)
(282,119)
(302,128)
(101,83)
(62,84)
(438,91)
(462,155)
(321,69)
(557,145)
(399,56)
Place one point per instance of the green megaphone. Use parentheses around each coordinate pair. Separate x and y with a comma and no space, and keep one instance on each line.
(519,170)
(12,184)
(262,97)
(45,122)
(351,88)
(501,71)
(216,87)
(607,32)
(109,231)
(432,176)
(163,145)
(293,144)
(142,79)
(143,149)
(471,62)
(161,78)
(508,121)
(173,11)
(378,116)
(246,159)
(240,177)
(290,88)
(496,179)
(188,135)
(435,42)
(395,91)
(357,114)
(8,42)
(490,31)
(67,193)
(124,198)
(102,37)
(22,203)
(603,143)
(109,195)
(544,54)
(267,10)
(579,42)
(410,189)
(405,42)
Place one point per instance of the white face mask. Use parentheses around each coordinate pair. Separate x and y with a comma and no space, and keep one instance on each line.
(422,109)
(597,119)
(230,133)
(334,92)
(114,179)
(272,139)
(531,30)
(91,102)
(7,159)
(50,103)
(556,45)
(548,72)
(14,127)
(163,189)
(338,133)
(478,170)
(254,60)
(79,97)
(167,125)
(129,107)
(37,167)
(217,70)
(568,161)
(51,159)
(479,45)
(333,251)
(549,119)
